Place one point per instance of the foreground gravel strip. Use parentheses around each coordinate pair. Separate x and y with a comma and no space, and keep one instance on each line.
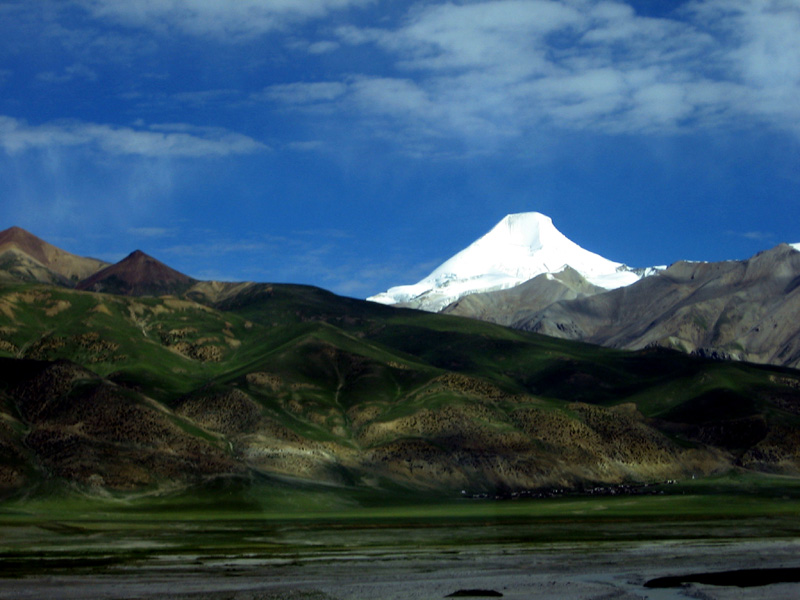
(569,571)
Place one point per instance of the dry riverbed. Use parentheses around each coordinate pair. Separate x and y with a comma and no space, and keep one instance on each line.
(324,547)
(568,570)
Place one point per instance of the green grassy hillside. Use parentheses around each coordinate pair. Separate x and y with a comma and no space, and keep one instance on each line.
(113,394)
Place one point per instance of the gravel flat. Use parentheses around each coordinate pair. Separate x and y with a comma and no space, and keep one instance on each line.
(597,571)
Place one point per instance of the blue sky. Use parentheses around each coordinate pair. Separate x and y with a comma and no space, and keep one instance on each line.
(357,144)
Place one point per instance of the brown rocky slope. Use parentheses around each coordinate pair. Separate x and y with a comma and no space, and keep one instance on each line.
(745,310)
(24,256)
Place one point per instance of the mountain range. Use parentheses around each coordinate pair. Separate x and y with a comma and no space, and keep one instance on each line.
(27,258)
(536,279)
(133,378)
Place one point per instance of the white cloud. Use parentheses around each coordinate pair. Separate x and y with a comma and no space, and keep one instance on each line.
(165,141)
(660,105)
(323,47)
(485,72)
(394,96)
(481,35)
(761,51)
(503,69)
(226,19)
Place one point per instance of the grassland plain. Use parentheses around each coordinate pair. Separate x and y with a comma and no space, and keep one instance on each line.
(295,381)
(277,540)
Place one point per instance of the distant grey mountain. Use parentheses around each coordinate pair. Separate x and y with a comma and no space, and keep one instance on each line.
(509,306)
(744,310)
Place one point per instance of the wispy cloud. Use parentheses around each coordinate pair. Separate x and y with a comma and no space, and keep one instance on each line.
(152,232)
(76,71)
(758,236)
(306,146)
(484,71)
(204,98)
(302,93)
(361,279)
(217,248)
(324,234)
(320,257)
(175,140)
(322,47)
(219,18)
(480,73)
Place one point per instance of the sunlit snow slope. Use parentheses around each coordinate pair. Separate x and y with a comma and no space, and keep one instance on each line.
(518,248)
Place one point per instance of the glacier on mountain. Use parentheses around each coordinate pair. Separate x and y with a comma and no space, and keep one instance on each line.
(520,247)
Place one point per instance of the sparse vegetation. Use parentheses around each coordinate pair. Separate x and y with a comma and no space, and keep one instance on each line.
(292,380)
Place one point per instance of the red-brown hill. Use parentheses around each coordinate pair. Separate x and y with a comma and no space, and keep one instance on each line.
(138,275)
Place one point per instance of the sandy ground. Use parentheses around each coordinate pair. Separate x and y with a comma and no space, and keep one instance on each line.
(577,571)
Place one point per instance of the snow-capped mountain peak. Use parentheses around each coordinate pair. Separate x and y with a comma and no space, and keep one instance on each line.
(520,247)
